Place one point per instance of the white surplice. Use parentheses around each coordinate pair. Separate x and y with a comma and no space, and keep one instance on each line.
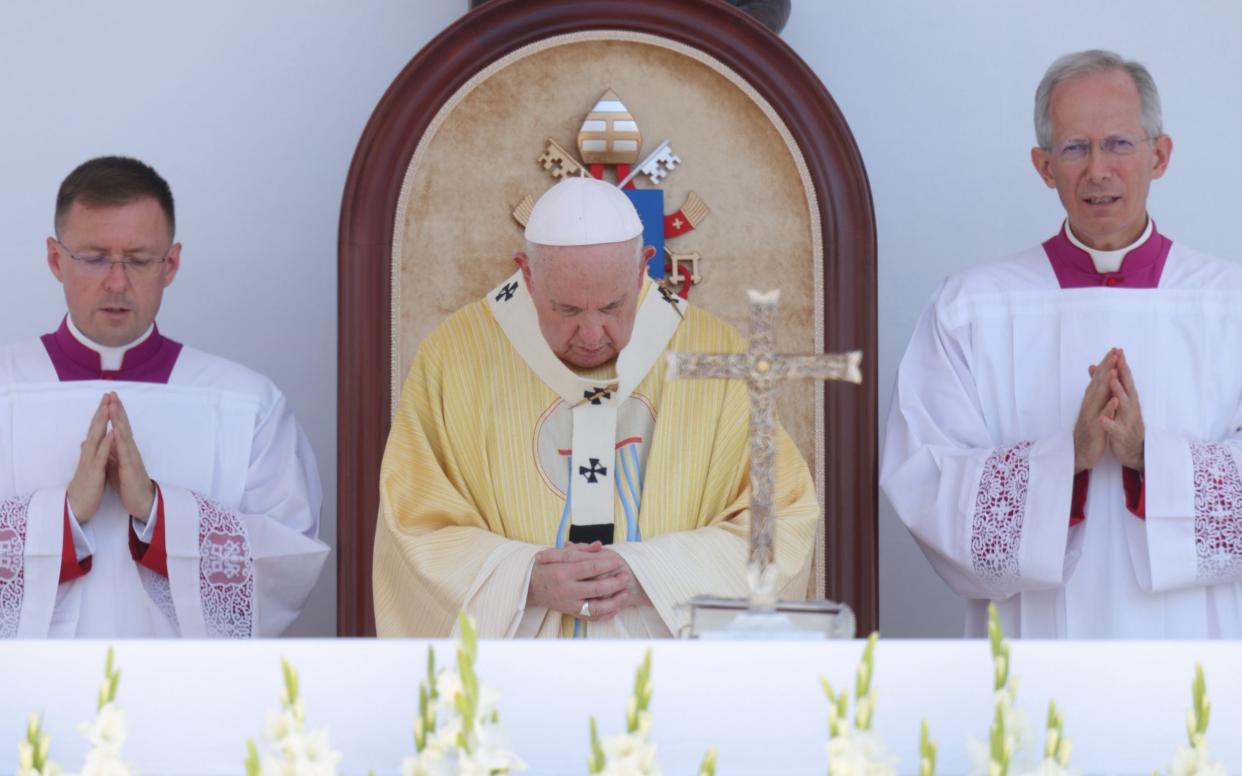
(979,456)
(241,498)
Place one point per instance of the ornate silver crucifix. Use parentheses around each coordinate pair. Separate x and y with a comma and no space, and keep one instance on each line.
(761,367)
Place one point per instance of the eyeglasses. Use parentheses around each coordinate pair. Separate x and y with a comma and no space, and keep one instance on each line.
(99,266)
(1077,149)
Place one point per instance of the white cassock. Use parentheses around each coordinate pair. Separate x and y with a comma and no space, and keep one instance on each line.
(240,505)
(979,454)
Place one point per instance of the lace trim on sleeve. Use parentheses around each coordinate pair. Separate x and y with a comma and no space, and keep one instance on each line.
(12,563)
(1218,512)
(996,531)
(226,572)
(160,593)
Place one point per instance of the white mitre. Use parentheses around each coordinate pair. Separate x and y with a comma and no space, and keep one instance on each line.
(583,211)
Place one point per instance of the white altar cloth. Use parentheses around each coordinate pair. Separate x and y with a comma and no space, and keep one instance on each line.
(191,705)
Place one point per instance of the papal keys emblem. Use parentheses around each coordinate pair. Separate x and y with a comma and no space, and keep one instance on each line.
(609,143)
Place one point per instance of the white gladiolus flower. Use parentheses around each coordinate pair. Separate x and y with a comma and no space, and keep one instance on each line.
(632,755)
(1017,728)
(457,730)
(645,724)
(1018,734)
(455,762)
(294,751)
(280,725)
(25,763)
(25,760)
(316,748)
(1195,761)
(300,753)
(859,753)
(428,763)
(444,738)
(1050,767)
(103,763)
(107,732)
(442,754)
(448,686)
(492,750)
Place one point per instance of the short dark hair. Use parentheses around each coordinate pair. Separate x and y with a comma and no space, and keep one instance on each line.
(111,181)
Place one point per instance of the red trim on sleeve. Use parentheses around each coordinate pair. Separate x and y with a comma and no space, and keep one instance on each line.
(154,555)
(1078,499)
(70,567)
(1135,487)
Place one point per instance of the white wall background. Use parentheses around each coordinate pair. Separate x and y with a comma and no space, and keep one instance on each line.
(252,112)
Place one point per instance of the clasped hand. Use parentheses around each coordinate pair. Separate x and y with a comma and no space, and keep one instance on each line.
(110,457)
(1110,417)
(562,579)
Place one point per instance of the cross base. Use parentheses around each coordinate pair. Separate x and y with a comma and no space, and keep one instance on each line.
(716,618)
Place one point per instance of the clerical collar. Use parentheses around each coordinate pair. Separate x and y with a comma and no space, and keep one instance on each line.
(148,359)
(1135,266)
(110,358)
(593,404)
(1107,261)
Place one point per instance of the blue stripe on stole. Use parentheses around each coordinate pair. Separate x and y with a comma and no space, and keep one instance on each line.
(625,491)
(636,488)
(563,529)
(641,474)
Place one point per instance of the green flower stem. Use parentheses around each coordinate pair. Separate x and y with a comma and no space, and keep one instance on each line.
(253,767)
(468,702)
(1197,717)
(32,755)
(708,766)
(927,752)
(1056,745)
(597,761)
(112,677)
(641,698)
(1000,649)
(289,699)
(999,753)
(864,695)
(425,725)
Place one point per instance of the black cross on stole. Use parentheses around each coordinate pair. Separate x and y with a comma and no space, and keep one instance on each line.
(593,471)
(506,293)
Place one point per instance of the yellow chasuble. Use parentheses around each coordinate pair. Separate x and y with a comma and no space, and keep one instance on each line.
(478,477)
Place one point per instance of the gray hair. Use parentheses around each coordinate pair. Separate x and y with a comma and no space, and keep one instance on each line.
(1090,62)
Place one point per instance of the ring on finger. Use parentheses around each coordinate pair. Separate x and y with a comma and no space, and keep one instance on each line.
(585,611)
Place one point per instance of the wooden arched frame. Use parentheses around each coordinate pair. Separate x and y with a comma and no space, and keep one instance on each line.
(368,210)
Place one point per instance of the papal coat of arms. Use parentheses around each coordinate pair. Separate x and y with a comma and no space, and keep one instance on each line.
(609,147)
